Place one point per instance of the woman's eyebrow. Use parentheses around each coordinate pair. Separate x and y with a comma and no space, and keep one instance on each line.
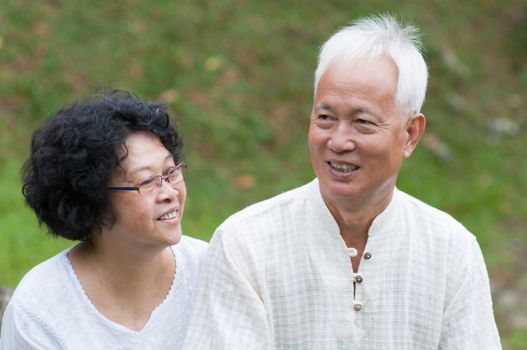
(147,167)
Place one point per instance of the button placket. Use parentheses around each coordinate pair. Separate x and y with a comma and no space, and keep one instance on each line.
(358,278)
(357,305)
(352,252)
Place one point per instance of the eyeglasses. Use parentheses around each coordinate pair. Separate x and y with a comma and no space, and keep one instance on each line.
(173,176)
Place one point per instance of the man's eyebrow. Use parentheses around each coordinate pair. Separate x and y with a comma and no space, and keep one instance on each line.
(324,106)
(359,110)
(364,110)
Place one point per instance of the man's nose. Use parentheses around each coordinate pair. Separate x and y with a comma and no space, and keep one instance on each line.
(342,138)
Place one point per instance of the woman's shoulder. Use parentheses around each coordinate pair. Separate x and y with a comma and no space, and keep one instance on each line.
(43,277)
(42,289)
(192,245)
(191,248)
(190,253)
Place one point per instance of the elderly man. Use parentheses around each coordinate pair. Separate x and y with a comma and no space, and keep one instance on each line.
(348,261)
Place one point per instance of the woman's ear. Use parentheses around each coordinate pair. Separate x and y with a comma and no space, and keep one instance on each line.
(414,129)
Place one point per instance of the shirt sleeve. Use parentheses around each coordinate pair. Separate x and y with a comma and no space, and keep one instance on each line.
(468,321)
(22,330)
(228,312)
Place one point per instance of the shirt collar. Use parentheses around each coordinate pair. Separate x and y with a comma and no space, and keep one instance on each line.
(380,222)
(323,213)
(385,218)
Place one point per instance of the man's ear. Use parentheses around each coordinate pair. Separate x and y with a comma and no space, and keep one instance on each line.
(415,127)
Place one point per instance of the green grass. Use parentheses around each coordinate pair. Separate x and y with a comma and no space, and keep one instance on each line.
(239,76)
(26,245)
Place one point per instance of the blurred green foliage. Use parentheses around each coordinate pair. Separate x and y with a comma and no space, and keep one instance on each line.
(239,76)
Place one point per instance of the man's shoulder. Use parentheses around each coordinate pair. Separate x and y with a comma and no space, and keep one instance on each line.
(272,209)
(440,222)
(262,231)
(424,208)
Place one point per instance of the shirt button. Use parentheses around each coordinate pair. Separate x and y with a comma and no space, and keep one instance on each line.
(352,252)
(358,278)
(357,306)
(367,255)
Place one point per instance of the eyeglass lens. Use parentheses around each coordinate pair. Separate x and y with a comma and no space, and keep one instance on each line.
(173,177)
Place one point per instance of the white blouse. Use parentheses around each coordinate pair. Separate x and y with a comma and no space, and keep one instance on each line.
(278,275)
(49,309)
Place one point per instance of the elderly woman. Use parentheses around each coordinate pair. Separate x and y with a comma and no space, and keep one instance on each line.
(107,172)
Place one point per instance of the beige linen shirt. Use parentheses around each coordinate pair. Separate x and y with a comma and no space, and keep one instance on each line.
(278,276)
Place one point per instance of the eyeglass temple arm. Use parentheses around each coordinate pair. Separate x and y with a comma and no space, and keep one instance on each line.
(124,188)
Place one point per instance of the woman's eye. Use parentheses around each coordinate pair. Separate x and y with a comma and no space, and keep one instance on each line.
(147,182)
(172,170)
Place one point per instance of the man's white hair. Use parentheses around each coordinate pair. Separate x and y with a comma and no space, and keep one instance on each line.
(372,37)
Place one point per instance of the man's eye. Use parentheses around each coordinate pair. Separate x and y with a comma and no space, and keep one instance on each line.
(324,117)
(363,121)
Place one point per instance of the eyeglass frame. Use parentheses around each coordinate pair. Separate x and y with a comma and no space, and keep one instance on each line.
(179,166)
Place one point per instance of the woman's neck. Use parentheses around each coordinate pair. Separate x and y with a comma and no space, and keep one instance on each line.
(125,284)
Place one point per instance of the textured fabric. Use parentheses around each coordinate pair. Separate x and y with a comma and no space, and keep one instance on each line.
(49,309)
(278,276)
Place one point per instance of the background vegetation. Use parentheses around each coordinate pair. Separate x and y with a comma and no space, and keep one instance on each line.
(239,76)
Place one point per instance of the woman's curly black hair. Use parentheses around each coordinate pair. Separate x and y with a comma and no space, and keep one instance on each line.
(74,153)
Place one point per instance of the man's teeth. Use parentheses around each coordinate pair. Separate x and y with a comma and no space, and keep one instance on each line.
(169,216)
(343,166)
